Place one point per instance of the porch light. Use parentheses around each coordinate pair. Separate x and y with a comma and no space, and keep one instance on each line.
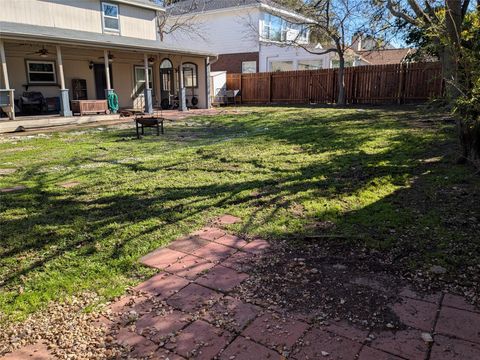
(90,65)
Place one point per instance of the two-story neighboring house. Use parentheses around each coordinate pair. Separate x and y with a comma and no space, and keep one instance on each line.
(78,50)
(248,35)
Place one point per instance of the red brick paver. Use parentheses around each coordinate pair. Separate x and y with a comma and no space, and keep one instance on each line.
(13,189)
(369,353)
(190,310)
(446,348)
(458,302)
(227,220)
(32,352)
(193,297)
(158,327)
(318,344)
(232,241)
(161,258)
(221,278)
(244,349)
(410,293)
(405,343)
(416,313)
(257,246)
(190,267)
(162,285)
(165,354)
(188,244)
(69,184)
(139,345)
(240,261)
(209,233)
(275,331)
(214,252)
(200,340)
(459,323)
(231,313)
(344,329)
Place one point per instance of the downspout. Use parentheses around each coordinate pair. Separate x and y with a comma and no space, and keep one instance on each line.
(208,64)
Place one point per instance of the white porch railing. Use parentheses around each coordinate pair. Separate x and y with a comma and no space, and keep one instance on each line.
(7,102)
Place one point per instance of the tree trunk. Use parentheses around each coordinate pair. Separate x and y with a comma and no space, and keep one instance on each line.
(341,80)
(469,136)
(453,22)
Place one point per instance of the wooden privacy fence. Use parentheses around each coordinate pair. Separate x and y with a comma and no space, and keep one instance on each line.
(373,84)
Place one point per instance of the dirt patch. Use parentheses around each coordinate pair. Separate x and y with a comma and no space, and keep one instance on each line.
(326,282)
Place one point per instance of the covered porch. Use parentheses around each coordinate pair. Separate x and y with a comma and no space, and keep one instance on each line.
(51,74)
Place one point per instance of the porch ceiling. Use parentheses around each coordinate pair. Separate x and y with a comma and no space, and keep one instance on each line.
(17,31)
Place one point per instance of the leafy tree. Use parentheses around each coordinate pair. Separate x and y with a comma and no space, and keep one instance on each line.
(449,29)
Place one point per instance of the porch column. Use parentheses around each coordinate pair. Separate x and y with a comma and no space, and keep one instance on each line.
(64,98)
(208,99)
(182,101)
(147,91)
(109,89)
(11,101)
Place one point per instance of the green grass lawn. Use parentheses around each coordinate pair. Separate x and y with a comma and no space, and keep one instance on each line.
(385,179)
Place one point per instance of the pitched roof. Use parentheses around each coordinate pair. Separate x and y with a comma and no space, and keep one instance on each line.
(17,31)
(384,57)
(148,4)
(198,6)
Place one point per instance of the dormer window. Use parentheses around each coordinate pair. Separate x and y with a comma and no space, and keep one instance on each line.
(110,17)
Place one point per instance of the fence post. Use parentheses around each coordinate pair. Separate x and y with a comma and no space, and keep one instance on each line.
(241,87)
(310,85)
(333,85)
(400,84)
(270,87)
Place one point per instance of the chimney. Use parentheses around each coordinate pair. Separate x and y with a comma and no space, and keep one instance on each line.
(357,41)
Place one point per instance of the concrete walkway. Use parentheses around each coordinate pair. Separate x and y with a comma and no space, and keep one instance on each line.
(189,311)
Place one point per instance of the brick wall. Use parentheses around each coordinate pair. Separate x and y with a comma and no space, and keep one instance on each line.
(232,63)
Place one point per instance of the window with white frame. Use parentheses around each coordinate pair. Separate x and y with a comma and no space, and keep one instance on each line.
(281,65)
(310,64)
(41,72)
(190,75)
(278,29)
(249,67)
(140,79)
(110,17)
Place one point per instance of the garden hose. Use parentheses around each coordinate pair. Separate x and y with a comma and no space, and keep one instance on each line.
(112,101)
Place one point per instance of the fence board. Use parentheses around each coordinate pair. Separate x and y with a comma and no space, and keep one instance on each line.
(374,84)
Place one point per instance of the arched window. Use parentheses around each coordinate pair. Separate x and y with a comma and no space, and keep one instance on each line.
(166,64)
(190,75)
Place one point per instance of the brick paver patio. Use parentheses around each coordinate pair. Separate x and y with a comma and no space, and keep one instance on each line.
(188,311)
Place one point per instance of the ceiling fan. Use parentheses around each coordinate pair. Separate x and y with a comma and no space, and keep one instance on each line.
(42,52)
(110,57)
(151,60)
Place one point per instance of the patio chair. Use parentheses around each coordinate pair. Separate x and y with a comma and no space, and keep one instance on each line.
(32,101)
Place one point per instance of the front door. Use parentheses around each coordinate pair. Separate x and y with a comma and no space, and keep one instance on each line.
(167,84)
(139,89)
(101,80)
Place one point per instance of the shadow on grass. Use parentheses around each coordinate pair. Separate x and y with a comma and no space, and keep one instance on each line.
(103,226)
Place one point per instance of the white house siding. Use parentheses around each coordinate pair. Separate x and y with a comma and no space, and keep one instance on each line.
(226,31)
(271,52)
(82,15)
